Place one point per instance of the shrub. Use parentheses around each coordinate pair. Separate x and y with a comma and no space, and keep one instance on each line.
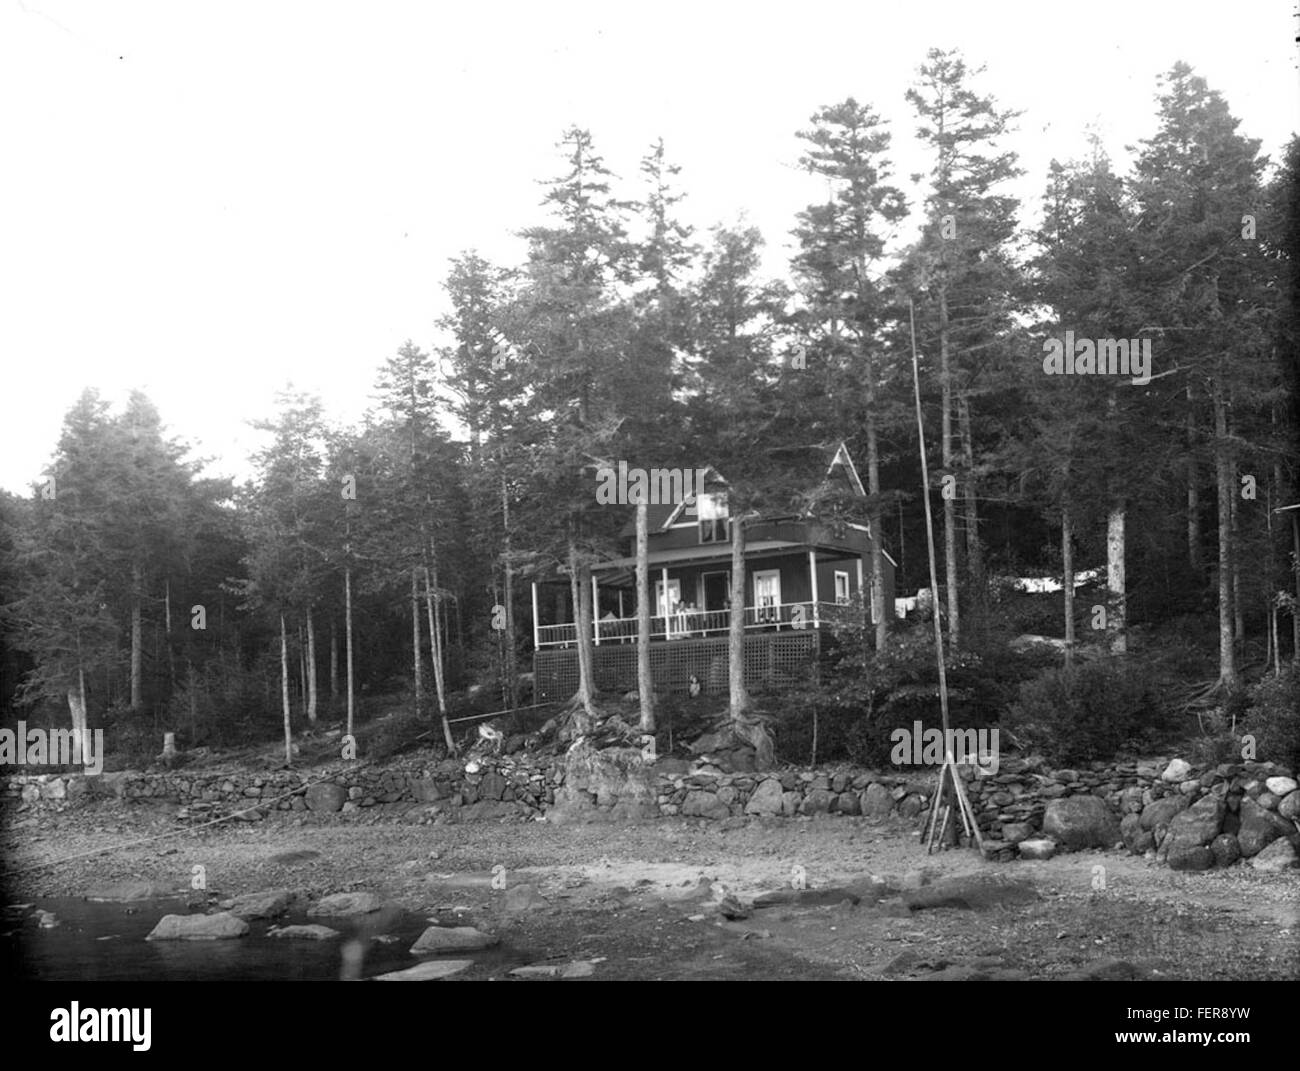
(864,695)
(1274,718)
(1217,744)
(1089,711)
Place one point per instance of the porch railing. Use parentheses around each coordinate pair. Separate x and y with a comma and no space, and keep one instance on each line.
(687,624)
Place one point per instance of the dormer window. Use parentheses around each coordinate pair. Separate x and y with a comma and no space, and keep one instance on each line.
(712,512)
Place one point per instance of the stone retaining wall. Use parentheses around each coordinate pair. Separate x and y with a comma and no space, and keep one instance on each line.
(1166,810)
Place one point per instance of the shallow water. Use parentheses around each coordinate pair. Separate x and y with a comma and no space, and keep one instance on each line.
(106,942)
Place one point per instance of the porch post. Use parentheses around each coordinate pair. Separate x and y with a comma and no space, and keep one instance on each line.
(595,608)
(536,622)
(812,572)
(866,604)
(664,607)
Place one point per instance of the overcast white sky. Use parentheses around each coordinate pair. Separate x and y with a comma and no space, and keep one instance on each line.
(206,200)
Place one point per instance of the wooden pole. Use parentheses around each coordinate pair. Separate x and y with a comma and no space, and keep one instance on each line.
(929,529)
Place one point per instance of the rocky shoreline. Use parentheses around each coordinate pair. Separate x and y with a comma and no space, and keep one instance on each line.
(1164,809)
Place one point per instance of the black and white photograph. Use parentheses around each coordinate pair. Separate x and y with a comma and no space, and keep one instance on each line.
(585,492)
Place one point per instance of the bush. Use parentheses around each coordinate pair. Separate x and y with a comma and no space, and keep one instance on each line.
(864,695)
(1087,712)
(1217,744)
(1274,719)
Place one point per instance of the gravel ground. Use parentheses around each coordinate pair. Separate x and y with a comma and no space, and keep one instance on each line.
(648,900)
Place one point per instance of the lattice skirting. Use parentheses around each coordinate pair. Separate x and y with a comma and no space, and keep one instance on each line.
(770,658)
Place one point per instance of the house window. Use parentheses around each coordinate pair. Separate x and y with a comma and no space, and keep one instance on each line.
(712,512)
(841,587)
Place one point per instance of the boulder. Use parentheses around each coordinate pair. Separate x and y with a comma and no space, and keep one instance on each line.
(492,787)
(198,928)
(818,801)
(1176,771)
(1200,823)
(429,971)
(710,742)
(326,797)
(1081,822)
(766,799)
(877,800)
(261,905)
(1277,856)
(1281,786)
(1015,832)
(910,807)
(1225,849)
(428,789)
(613,775)
(54,789)
(345,905)
(847,803)
(1289,807)
(438,939)
(699,804)
(1259,828)
(1161,812)
(790,803)
(579,968)
(311,932)
(1186,856)
(1037,848)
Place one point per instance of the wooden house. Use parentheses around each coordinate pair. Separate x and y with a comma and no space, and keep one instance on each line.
(804,575)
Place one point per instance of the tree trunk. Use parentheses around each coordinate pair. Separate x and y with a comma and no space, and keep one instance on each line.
(511,668)
(1193,491)
(581,593)
(311,669)
(878,616)
(1116,584)
(1295,608)
(415,645)
(1067,581)
(739,694)
(347,629)
(435,633)
(284,692)
(167,620)
(334,659)
(974,553)
(302,671)
(644,684)
(1223,481)
(137,645)
(77,707)
(193,690)
(1238,614)
(949,501)
(1117,619)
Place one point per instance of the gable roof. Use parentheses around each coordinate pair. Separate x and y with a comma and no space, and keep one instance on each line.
(817,464)
(662,516)
(843,460)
